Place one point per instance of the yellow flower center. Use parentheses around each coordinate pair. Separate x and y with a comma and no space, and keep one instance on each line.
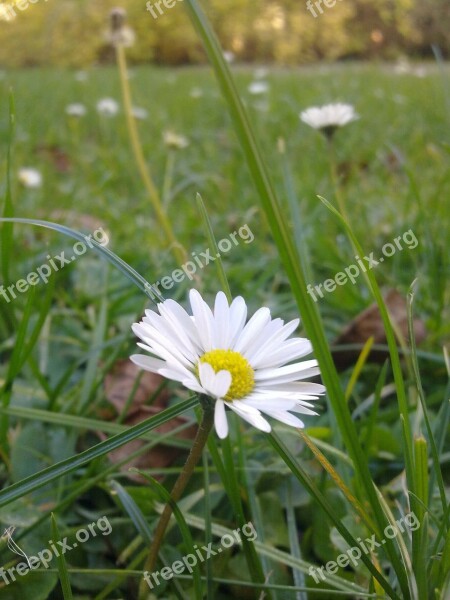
(242,374)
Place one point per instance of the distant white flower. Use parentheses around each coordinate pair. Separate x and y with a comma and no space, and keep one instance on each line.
(76,110)
(258,87)
(107,107)
(329,117)
(196,92)
(229,56)
(81,76)
(29,177)
(139,113)
(247,368)
(420,72)
(175,141)
(403,67)
(260,73)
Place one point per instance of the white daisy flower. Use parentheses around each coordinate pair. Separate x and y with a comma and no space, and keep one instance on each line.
(260,73)
(76,110)
(229,56)
(107,107)
(139,113)
(247,368)
(81,76)
(29,177)
(258,87)
(196,92)
(175,141)
(329,117)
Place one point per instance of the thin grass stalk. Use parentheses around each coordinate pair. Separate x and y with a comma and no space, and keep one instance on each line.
(178,253)
(292,263)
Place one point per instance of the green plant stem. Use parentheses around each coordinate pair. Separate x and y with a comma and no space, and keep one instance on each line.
(176,248)
(195,454)
(339,195)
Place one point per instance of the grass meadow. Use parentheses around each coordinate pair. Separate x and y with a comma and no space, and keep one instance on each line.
(67,385)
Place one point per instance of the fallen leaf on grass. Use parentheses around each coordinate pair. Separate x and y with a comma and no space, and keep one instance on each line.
(369,324)
(119,384)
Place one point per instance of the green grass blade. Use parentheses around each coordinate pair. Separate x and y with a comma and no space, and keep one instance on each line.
(437,471)
(213,243)
(307,482)
(74,421)
(62,566)
(8,208)
(71,464)
(293,266)
(208,525)
(280,557)
(234,494)
(115,260)
(420,536)
(132,510)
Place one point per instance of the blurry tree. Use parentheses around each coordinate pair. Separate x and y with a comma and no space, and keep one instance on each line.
(431,19)
(72,32)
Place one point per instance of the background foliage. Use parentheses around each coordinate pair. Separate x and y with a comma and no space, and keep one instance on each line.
(281,31)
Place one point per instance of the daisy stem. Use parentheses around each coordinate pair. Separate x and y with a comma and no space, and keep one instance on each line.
(195,455)
(335,179)
(177,249)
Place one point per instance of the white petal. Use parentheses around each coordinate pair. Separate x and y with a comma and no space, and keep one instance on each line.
(203,319)
(267,392)
(148,363)
(221,321)
(273,403)
(287,352)
(216,384)
(302,410)
(179,314)
(220,419)
(286,373)
(163,346)
(300,387)
(280,333)
(271,328)
(252,329)
(193,384)
(252,416)
(285,417)
(176,373)
(178,330)
(238,316)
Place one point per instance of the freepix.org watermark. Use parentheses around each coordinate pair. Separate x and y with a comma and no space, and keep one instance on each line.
(353,554)
(44,272)
(155,9)
(44,557)
(201,260)
(8,11)
(352,272)
(190,561)
(318,6)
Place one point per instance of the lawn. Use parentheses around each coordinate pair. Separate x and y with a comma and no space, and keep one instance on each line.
(67,383)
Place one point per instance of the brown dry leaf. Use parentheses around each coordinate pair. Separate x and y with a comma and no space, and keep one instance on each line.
(56,155)
(118,386)
(369,324)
